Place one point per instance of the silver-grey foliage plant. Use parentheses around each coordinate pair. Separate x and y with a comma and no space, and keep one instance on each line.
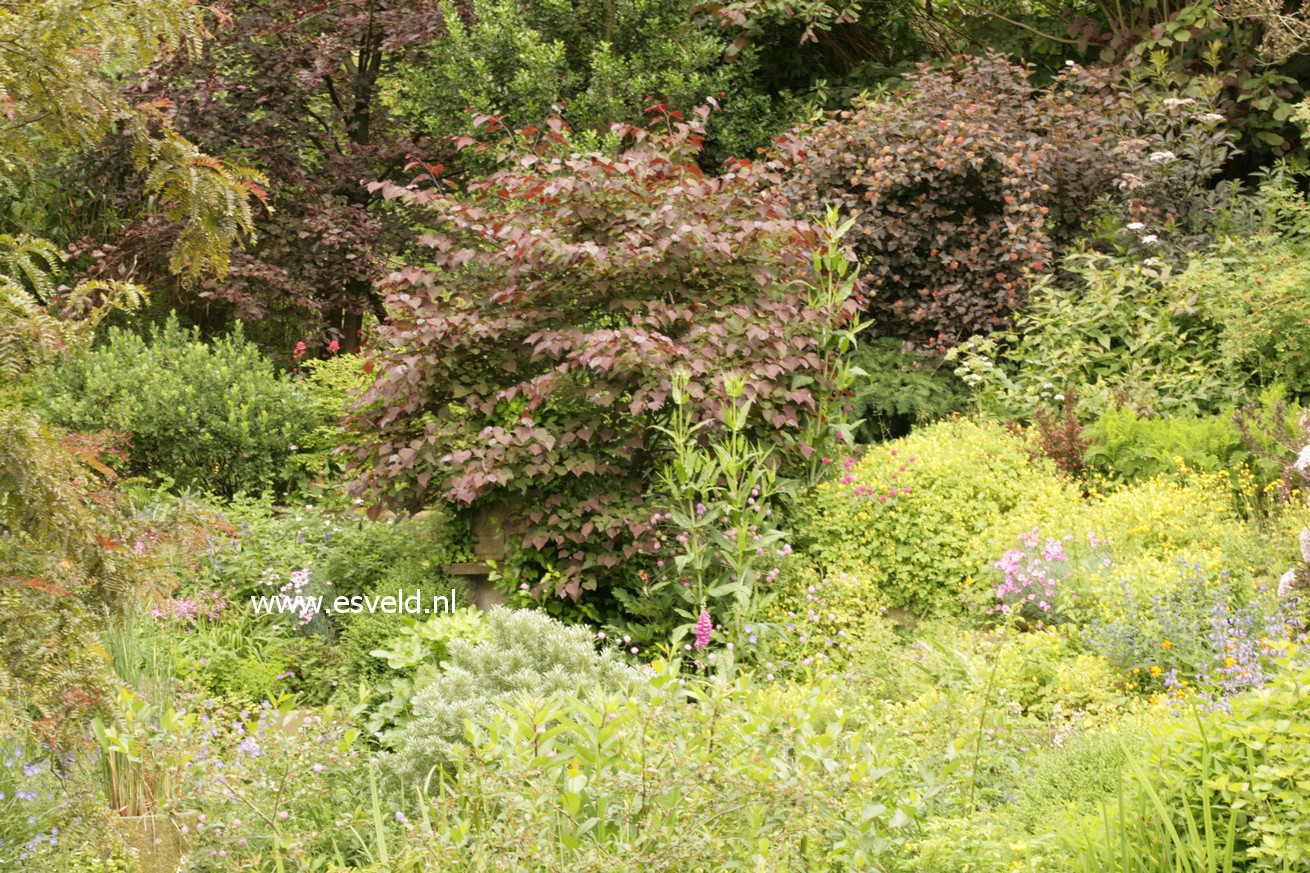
(526,653)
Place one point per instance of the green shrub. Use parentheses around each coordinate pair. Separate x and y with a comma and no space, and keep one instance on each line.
(525,652)
(1114,338)
(966,702)
(330,384)
(346,549)
(364,634)
(1048,674)
(337,554)
(1250,448)
(1128,448)
(250,679)
(901,390)
(209,416)
(1040,683)
(1082,772)
(428,641)
(1251,291)
(380,557)
(596,63)
(1125,545)
(1218,329)
(1215,790)
(916,517)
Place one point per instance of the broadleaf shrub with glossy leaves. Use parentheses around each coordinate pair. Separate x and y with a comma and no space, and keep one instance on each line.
(540,338)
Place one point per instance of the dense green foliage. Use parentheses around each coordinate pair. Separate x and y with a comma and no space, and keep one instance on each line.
(209,416)
(1127,447)
(594,64)
(1215,788)
(1082,772)
(899,390)
(915,517)
(1160,339)
(60,566)
(62,66)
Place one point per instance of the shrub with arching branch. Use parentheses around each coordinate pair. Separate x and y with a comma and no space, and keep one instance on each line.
(529,362)
(962,187)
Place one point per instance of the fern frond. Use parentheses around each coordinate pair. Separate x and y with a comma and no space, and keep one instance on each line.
(60,89)
(210,200)
(29,332)
(30,260)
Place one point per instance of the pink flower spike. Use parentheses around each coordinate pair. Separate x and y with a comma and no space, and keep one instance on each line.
(704,628)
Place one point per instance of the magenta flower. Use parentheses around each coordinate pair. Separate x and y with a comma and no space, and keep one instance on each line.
(704,628)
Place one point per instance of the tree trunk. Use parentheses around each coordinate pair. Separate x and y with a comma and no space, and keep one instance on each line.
(352,324)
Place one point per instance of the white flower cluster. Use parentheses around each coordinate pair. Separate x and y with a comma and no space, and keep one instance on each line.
(976,366)
(1149,239)
(1289,580)
(972,377)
